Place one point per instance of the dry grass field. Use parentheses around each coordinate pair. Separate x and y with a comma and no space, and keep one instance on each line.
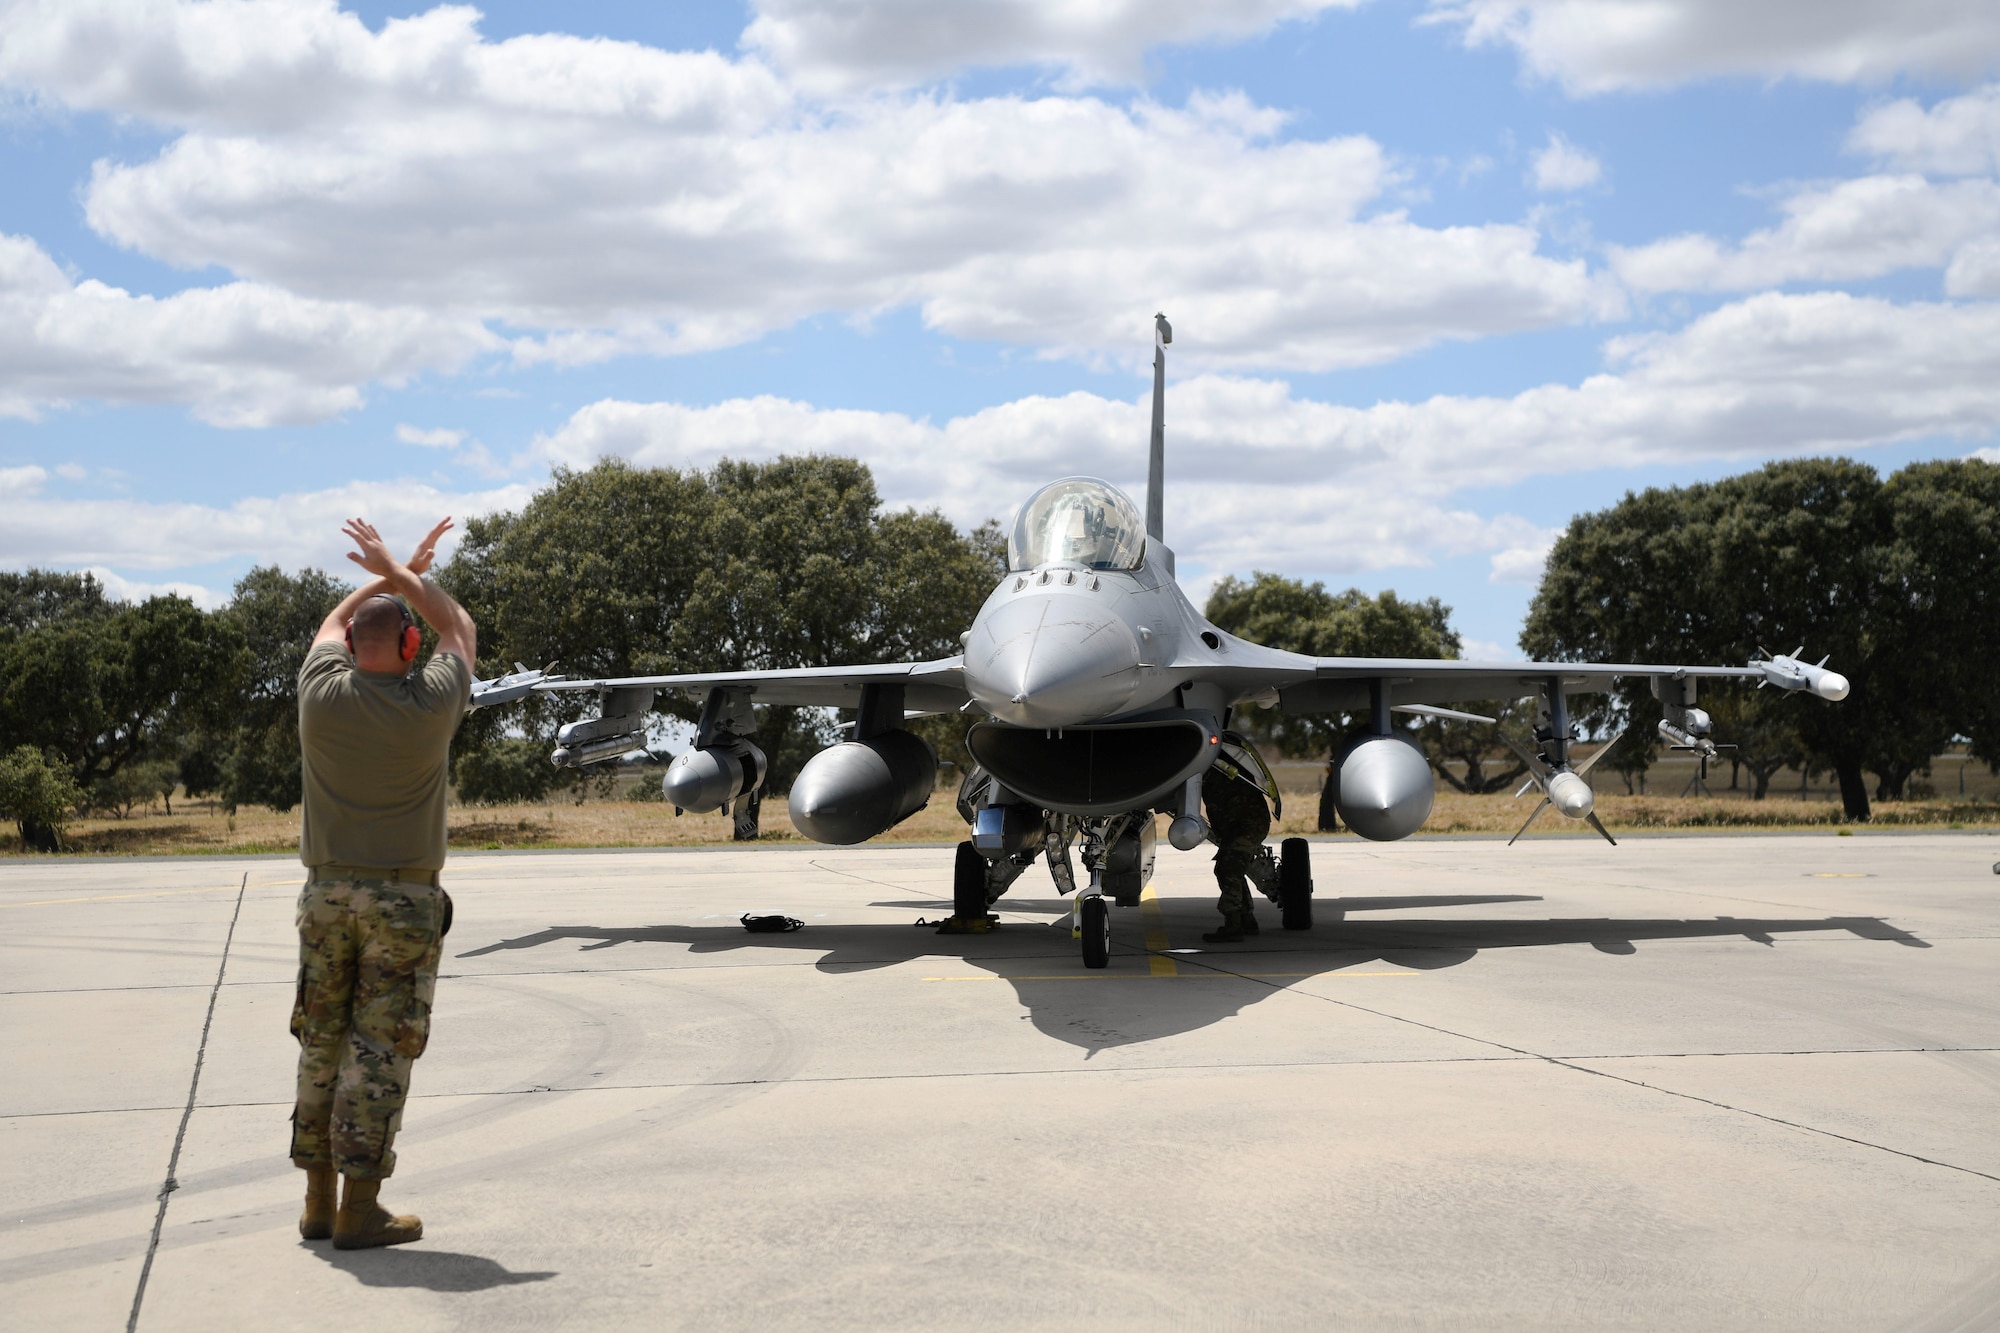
(200,828)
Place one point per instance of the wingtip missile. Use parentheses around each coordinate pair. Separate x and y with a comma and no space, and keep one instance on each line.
(1788,672)
(505,689)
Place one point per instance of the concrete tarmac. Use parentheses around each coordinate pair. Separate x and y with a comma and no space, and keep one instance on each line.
(1716,1083)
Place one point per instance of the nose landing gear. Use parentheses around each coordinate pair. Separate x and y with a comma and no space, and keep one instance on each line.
(1093,927)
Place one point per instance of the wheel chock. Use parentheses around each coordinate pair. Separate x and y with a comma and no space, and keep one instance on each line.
(978,925)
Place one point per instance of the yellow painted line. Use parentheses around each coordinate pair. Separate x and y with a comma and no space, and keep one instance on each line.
(127,897)
(1160,960)
(1839,874)
(1179,976)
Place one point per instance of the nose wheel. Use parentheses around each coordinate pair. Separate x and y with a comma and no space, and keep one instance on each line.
(1093,926)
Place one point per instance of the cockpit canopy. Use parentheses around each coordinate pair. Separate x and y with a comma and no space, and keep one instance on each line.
(1078,520)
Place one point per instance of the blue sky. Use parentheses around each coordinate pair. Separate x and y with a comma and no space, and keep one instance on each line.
(1442,274)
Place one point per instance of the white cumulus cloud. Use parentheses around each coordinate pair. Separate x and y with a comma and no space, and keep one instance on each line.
(1959,136)
(1524,564)
(1975,269)
(1261,477)
(1561,165)
(1258,477)
(437,438)
(603,197)
(840,45)
(1596,46)
(121,589)
(1853,229)
(244,354)
(18,481)
(292,530)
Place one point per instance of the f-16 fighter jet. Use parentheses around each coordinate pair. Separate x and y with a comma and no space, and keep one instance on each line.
(1103,697)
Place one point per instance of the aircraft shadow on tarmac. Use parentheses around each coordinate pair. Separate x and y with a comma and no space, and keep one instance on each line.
(432,1270)
(1043,967)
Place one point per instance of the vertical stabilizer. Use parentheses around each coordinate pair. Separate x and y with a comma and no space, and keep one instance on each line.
(1156,467)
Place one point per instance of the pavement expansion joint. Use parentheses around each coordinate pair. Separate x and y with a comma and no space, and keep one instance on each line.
(869,879)
(1512,1058)
(113,990)
(1563,1063)
(170,1184)
(1831,1050)
(1776,1120)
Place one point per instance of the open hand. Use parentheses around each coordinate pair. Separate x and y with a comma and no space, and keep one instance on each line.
(374,553)
(426,551)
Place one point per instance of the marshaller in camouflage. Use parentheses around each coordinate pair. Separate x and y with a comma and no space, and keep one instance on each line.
(368,961)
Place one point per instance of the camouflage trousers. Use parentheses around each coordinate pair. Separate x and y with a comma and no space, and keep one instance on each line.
(1239,819)
(368,962)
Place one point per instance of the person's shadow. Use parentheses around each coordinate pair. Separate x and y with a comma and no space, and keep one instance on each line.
(432,1270)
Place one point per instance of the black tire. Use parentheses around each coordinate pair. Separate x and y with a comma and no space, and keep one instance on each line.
(1295,884)
(1096,931)
(968,884)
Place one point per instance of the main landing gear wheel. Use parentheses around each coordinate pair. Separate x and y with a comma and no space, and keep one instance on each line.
(968,884)
(1096,914)
(1295,884)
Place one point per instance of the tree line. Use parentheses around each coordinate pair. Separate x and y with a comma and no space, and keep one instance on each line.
(1897,579)
(615,570)
(608,571)
(623,571)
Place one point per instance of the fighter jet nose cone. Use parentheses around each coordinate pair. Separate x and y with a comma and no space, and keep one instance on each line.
(1052,661)
(1832,685)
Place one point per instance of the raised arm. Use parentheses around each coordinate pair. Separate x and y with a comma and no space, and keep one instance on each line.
(455,630)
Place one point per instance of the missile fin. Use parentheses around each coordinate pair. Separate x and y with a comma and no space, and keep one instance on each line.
(1545,803)
(1535,768)
(1586,765)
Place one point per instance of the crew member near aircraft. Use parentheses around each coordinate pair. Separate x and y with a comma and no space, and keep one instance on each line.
(1239,795)
(374,733)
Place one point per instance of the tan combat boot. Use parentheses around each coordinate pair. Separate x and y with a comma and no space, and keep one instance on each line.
(362,1223)
(1231,933)
(322,1198)
(1248,922)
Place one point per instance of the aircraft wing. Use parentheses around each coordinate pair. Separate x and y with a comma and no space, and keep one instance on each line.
(1342,684)
(928,687)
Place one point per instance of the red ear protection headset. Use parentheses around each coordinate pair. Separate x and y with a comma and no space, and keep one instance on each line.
(412,638)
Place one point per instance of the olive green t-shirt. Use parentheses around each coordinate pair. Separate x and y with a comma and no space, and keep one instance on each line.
(373,750)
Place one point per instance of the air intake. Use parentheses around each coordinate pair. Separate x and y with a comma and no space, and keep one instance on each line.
(1093,770)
